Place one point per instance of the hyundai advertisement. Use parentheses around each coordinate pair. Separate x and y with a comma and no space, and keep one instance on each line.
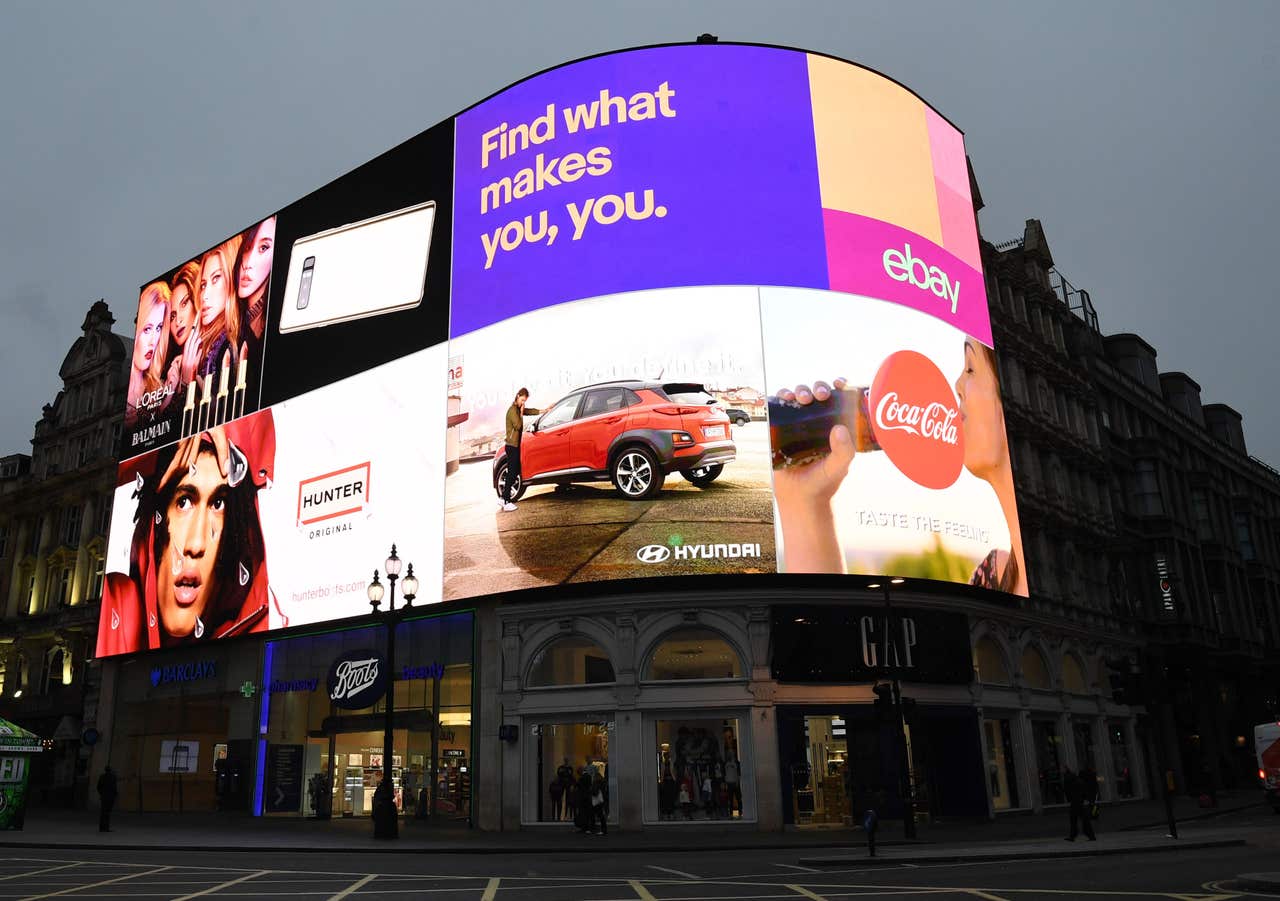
(692,309)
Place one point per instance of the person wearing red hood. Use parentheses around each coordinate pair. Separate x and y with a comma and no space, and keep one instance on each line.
(198,565)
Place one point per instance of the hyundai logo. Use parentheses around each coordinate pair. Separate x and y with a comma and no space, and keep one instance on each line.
(653,553)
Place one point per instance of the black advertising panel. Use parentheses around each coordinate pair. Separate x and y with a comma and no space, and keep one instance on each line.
(863,644)
(283,793)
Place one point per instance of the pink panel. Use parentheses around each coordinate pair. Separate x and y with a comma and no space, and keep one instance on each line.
(875,259)
(959,230)
(946,146)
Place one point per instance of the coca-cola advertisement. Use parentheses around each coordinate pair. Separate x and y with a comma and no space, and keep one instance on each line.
(890,455)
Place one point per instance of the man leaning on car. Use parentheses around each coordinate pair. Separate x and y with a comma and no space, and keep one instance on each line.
(515,430)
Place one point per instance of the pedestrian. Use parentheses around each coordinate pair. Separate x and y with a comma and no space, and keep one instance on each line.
(1089,791)
(583,818)
(557,798)
(107,791)
(599,805)
(514,426)
(564,773)
(1074,790)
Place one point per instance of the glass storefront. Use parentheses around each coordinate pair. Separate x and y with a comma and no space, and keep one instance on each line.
(564,751)
(1049,761)
(310,748)
(1085,759)
(1001,772)
(833,766)
(698,768)
(1120,760)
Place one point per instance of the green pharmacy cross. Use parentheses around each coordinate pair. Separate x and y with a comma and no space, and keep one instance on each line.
(248,689)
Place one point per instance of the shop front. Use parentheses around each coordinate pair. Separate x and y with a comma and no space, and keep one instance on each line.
(182,734)
(322,717)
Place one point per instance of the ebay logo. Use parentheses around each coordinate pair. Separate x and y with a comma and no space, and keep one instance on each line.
(902,266)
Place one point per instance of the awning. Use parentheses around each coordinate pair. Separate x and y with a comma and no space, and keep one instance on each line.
(16,740)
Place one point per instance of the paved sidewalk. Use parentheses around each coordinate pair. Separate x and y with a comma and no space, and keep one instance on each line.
(206,831)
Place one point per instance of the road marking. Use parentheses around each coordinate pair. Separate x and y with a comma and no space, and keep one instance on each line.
(227,884)
(491,889)
(801,890)
(64,866)
(654,866)
(796,866)
(77,888)
(979,893)
(641,892)
(355,886)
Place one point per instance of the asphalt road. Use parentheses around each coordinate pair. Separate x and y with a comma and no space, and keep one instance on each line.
(589,532)
(697,873)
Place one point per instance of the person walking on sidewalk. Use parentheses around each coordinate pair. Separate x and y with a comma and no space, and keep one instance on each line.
(1074,790)
(515,430)
(107,791)
(1089,789)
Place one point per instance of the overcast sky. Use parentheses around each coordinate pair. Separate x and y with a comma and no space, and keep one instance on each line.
(1143,135)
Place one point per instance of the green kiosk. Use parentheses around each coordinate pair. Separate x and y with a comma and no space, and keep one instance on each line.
(17,747)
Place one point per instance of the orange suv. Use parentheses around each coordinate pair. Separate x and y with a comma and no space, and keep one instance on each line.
(630,432)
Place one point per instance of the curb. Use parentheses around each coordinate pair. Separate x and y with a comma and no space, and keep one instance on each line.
(1216,812)
(1028,854)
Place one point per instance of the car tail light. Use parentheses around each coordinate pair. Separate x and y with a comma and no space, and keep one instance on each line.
(682,437)
(667,409)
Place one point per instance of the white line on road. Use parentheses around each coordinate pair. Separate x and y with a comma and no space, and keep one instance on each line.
(796,866)
(64,866)
(801,890)
(491,889)
(979,893)
(227,884)
(77,888)
(641,892)
(355,886)
(654,866)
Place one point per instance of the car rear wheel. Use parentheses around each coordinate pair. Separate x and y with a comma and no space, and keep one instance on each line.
(704,475)
(636,474)
(517,490)
(741,421)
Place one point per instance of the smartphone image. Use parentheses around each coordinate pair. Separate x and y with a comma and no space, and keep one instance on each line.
(362,269)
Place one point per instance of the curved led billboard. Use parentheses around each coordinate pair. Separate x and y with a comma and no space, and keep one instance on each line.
(679,310)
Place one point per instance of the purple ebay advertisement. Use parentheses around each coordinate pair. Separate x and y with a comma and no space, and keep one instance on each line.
(658,168)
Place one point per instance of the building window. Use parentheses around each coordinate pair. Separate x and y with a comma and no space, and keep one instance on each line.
(570,661)
(58,586)
(31,594)
(4,540)
(56,672)
(1002,775)
(99,574)
(104,514)
(1202,514)
(1035,672)
(1244,537)
(82,450)
(1144,490)
(694,654)
(71,517)
(989,661)
(33,540)
(698,769)
(1073,679)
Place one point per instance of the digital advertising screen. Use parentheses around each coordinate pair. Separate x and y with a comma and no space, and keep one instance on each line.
(680,310)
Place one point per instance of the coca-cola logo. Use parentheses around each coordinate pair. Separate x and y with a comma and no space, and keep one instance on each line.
(916,419)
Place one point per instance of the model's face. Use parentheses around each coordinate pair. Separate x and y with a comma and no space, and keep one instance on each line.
(521,400)
(183,315)
(255,259)
(185,580)
(215,289)
(982,416)
(149,331)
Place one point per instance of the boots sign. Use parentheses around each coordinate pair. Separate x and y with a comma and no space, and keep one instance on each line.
(357,679)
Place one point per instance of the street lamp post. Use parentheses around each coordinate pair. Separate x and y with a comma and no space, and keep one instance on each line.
(899,720)
(386,819)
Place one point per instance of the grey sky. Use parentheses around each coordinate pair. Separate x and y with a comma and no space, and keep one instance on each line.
(1143,135)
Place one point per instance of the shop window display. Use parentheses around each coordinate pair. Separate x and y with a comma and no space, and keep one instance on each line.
(1049,761)
(1001,772)
(564,752)
(699,770)
(1120,761)
(694,654)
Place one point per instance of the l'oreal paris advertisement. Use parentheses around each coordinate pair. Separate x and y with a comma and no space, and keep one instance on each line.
(710,309)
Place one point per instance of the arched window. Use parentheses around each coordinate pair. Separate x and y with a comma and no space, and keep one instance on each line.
(575,660)
(694,654)
(1073,675)
(989,660)
(54,668)
(1034,670)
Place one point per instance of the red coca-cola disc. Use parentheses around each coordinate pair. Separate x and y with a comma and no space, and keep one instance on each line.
(916,419)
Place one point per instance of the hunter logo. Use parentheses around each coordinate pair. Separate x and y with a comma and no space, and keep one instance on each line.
(338,493)
(916,419)
(357,679)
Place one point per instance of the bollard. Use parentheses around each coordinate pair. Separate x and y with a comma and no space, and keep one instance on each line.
(870,822)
